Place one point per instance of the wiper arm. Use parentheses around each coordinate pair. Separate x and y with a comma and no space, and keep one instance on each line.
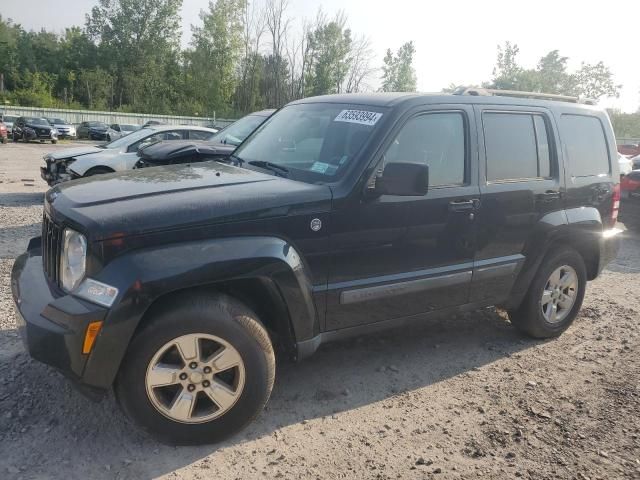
(274,167)
(238,161)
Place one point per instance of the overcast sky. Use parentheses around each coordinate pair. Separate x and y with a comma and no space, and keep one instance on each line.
(455,40)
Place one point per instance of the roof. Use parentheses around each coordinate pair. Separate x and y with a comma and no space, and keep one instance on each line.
(392,99)
(162,128)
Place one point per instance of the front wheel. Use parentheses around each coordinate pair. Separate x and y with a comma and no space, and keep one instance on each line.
(54,142)
(555,296)
(198,371)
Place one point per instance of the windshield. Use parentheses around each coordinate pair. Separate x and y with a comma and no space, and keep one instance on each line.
(315,142)
(37,121)
(98,125)
(129,128)
(235,133)
(56,121)
(9,118)
(131,138)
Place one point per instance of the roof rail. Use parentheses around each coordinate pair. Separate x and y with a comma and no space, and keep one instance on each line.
(487,92)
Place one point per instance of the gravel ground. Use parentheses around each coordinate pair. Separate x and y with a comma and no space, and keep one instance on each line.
(464,397)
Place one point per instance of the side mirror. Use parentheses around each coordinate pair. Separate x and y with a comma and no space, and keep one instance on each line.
(403,179)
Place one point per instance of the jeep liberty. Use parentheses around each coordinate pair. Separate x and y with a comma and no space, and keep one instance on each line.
(341,215)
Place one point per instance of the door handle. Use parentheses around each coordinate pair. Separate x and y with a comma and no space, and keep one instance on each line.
(464,205)
(550,196)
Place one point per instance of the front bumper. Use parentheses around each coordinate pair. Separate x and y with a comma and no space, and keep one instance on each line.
(56,172)
(52,324)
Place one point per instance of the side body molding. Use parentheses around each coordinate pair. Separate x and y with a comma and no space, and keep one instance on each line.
(143,276)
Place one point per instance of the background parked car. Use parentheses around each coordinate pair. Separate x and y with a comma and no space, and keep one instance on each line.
(625,164)
(121,154)
(635,162)
(151,123)
(93,130)
(119,130)
(33,128)
(65,129)
(631,149)
(3,133)
(214,147)
(8,121)
(630,200)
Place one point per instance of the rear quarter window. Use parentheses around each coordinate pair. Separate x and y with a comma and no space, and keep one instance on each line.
(585,145)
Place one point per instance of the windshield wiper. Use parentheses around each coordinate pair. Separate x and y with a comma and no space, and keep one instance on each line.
(236,159)
(274,167)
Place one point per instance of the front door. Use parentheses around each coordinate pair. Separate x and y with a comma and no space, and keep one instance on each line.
(396,256)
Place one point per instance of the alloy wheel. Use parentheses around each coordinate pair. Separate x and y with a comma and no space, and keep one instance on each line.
(195,378)
(559,294)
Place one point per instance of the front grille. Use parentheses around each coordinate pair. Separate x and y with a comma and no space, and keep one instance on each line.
(51,249)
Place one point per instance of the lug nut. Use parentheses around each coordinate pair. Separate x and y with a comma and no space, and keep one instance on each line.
(206,383)
(193,365)
(207,369)
(183,376)
(191,387)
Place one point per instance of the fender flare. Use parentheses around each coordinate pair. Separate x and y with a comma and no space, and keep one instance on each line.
(143,276)
(581,225)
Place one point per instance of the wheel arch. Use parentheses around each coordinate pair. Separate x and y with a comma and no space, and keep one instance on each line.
(264,272)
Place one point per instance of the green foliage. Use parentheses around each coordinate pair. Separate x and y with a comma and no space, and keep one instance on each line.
(551,75)
(626,125)
(398,74)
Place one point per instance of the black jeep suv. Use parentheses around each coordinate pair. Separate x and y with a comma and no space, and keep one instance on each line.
(341,215)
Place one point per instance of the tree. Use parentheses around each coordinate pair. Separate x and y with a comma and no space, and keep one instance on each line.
(398,73)
(137,40)
(217,50)
(596,81)
(551,75)
(329,56)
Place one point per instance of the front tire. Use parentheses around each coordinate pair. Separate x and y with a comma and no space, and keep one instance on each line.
(555,296)
(201,369)
(54,142)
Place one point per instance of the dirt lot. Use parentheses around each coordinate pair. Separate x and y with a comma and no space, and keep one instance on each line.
(465,397)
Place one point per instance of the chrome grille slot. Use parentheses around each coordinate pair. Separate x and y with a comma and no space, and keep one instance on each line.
(51,249)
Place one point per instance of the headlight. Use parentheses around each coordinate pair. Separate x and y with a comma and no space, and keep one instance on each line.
(73,260)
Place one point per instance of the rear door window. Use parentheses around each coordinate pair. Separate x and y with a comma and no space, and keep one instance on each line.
(516,145)
(585,145)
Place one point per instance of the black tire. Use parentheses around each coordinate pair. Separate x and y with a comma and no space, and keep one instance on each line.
(5,139)
(15,138)
(217,315)
(54,142)
(97,171)
(528,317)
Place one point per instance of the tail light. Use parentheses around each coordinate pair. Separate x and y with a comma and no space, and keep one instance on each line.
(615,208)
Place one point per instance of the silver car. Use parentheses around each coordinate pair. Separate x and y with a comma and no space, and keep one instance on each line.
(8,121)
(119,130)
(65,129)
(115,156)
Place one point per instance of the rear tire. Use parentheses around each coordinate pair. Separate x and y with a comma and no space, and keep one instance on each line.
(555,295)
(211,321)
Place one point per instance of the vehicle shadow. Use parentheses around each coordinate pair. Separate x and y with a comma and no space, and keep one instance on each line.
(14,240)
(340,377)
(21,199)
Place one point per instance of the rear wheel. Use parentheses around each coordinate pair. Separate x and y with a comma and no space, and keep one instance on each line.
(199,371)
(555,296)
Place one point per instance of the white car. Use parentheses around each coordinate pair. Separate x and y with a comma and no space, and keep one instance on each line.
(119,130)
(625,164)
(121,154)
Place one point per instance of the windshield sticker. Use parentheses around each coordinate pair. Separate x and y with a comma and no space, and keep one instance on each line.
(319,167)
(358,116)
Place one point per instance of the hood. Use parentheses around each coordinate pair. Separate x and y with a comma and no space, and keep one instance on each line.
(176,197)
(176,149)
(73,152)
(38,126)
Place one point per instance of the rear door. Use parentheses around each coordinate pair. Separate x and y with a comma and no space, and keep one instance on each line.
(520,184)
